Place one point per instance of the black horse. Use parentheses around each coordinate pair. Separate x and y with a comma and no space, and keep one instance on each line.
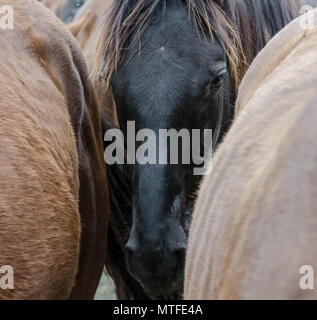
(172,64)
(68,12)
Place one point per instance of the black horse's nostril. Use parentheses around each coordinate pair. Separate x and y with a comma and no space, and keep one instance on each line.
(130,250)
(180,249)
(158,271)
(180,252)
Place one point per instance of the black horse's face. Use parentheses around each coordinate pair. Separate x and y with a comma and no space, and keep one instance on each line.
(68,12)
(175,81)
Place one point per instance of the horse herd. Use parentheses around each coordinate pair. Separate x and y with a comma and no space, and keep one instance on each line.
(241,232)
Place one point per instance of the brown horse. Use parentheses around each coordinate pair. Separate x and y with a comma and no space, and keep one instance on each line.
(53,192)
(254,225)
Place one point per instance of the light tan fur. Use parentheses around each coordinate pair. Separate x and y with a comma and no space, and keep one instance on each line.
(255,222)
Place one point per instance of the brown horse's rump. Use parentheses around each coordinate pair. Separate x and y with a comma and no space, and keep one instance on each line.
(53,194)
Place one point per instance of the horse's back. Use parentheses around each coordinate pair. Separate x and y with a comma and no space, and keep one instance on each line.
(255,221)
(39,217)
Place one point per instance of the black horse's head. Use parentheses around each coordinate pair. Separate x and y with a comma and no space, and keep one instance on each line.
(171,65)
(68,12)
(178,80)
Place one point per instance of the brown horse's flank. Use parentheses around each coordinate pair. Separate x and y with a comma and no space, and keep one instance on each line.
(53,199)
(38,49)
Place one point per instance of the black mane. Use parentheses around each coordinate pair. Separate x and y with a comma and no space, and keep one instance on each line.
(244,27)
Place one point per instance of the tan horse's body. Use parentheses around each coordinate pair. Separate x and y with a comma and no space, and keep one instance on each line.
(255,222)
(53,194)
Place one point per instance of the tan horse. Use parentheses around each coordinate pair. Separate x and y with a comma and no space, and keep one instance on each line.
(255,222)
(86,28)
(53,193)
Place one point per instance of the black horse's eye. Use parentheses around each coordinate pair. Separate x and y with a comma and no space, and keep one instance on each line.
(217,80)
